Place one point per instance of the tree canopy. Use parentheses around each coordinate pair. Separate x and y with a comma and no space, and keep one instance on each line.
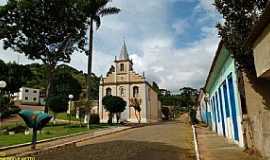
(188,96)
(48,30)
(239,18)
(64,84)
(185,99)
(114,104)
(58,103)
(45,30)
(14,75)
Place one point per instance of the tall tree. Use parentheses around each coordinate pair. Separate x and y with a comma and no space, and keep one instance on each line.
(188,96)
(39,76)
(64,84)
(239,17)
(17,76)
(46,30)
(95,9)
(3,70)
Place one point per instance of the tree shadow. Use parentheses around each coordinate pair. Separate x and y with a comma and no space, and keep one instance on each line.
(120,150)
(262,87)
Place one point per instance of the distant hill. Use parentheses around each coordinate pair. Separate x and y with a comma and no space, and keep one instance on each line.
(39,78)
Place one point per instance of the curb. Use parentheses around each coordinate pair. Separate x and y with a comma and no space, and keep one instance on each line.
(196,143)
(47,140)
(68,144)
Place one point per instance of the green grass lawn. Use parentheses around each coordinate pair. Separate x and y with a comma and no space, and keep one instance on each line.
(49,131)
(64,117)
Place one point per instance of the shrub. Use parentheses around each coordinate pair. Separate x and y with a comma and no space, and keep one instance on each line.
(18,129)
(58,104)
(94,119)
(7,108)
(114,105)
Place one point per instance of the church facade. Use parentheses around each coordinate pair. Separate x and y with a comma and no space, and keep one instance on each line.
(123,81)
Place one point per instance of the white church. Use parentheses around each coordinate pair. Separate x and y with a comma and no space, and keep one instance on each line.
(123,81)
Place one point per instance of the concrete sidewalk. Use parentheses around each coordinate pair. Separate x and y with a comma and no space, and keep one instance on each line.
(214,147)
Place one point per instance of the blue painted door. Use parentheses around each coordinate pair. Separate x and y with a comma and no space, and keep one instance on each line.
(226,99)
(233,107)
(209,119)
(217,108)
(214,113)
(221,112)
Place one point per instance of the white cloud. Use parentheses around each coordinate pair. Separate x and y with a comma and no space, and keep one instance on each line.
(180,26)
(151,44)
(174,68)
(207,5)
(3,2)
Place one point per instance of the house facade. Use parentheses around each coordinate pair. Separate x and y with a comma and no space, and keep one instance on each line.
(123,81)
(28,95)
(243,116)
(203,113)
(257,88)
(219,101)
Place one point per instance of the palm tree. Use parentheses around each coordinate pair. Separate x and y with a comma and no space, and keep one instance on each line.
(95,9)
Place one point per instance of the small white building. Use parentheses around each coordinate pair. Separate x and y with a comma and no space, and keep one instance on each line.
(28,95)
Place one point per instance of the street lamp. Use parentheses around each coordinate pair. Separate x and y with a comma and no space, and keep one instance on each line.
(69,106)
(3,85)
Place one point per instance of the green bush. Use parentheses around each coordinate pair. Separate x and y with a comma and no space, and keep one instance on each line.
(94,119)
(58,104)
(4,101)
(7,108)
(114,105)
(18,129)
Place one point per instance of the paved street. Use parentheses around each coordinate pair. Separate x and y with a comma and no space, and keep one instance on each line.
(167,141)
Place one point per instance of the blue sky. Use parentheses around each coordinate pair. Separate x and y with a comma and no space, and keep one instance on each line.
(172,41)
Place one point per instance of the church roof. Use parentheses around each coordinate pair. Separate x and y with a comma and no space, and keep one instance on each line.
(124,52)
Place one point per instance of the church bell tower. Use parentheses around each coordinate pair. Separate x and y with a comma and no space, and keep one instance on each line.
(123,64)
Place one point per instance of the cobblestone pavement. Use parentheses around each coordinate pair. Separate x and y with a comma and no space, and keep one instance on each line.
(167,141)
(214,147)
(50,144)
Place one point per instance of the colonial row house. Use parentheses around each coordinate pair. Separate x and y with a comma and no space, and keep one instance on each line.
(236,103)
(220,105)
(123,81)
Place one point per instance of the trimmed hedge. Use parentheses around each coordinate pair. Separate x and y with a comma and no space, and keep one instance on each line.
(94,119)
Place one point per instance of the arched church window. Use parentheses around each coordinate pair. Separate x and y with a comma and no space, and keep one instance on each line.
(122,91)
(122,67)
(135,91)
(108,92)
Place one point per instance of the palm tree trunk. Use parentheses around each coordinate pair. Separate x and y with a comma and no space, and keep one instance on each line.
(90,60)
(49,78)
